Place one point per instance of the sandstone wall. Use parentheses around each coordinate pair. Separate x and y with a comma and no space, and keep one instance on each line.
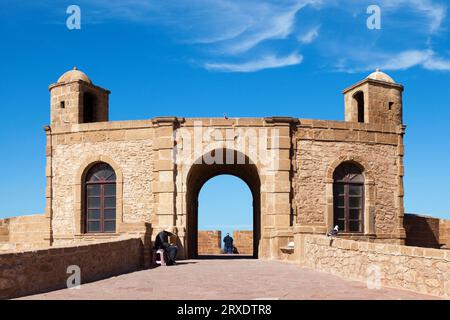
(26,273)
(24,233)
(4,231)
(428,232)
(243,241)
(209,242)
(444,233)
(153,187)
(422,231)
(320,147)
(411,268)
(128,150)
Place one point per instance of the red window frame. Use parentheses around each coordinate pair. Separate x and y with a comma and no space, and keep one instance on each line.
(345,205)
(348,176)
(101,205)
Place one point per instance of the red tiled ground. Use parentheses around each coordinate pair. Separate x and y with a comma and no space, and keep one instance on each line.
(228,279)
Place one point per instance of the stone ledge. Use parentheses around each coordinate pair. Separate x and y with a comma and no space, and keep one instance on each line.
(111,258)
(287,250)
(349,126)
(408,268)
(388,249)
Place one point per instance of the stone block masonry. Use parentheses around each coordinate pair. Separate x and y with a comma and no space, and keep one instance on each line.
(26,273)
(417,269)
(428,232)
(209,242)
(24,233)
(4,232)
(444,233)
(243,241)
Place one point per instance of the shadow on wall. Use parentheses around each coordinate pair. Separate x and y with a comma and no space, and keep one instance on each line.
(47,270)
(428,232)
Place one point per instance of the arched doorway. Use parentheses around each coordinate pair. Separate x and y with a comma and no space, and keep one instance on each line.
(201,172)
(225,207)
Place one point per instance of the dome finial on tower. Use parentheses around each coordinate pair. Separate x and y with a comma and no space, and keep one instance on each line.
(380,76)
(74,75)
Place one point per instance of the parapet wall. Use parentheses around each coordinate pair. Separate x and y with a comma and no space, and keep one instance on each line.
(412,268)
(209,242)
(444,233)
(24,233)
(243,241)
(4,232)
(428,232)
(32,272)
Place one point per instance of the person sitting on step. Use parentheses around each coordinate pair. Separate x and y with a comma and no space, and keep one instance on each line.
(162,242)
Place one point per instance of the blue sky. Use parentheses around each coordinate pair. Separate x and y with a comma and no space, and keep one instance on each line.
(231,211)
(206,58)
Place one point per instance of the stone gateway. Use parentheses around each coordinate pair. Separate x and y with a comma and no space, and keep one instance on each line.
(109,178)
(112,186)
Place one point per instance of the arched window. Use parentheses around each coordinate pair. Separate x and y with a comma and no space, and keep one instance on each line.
(348,195)
(359,101)
(100,208)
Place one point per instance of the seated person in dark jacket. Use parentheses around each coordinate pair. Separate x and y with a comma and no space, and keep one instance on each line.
(162,242)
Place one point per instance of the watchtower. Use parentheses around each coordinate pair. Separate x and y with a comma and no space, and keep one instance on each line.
(75,99)
(376,99)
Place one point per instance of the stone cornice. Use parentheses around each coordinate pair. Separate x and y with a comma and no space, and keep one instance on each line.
(87,84)
(288,120)
(376,82)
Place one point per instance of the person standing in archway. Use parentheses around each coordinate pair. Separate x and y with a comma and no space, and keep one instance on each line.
(228,244)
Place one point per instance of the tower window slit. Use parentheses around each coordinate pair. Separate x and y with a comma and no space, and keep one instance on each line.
(359,99)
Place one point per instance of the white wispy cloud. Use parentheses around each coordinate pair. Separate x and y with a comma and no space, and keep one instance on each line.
(256,32)
(309,36)
(406,59)
(434,11)
(407,39)
(265,62)
(268,22)
(427,59)
(437,63)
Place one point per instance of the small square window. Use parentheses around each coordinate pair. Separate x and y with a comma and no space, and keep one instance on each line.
(62,104)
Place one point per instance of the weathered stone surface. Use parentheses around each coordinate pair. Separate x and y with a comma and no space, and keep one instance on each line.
(134,157)
(25,273)
(209,242)
(243,241)
(24,233)
(392,265)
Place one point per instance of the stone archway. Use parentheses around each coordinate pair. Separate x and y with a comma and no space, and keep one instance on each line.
(200,173)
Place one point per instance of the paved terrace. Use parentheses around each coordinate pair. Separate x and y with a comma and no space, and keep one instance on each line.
(228,279)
